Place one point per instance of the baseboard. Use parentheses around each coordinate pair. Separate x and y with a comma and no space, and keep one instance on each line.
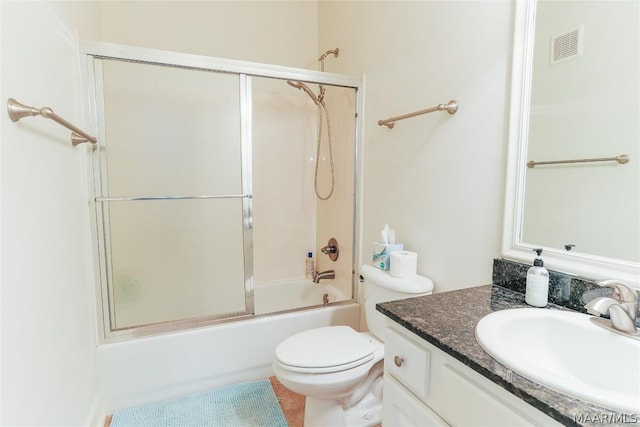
(96,415)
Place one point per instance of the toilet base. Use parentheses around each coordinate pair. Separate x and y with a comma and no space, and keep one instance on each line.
(331,413)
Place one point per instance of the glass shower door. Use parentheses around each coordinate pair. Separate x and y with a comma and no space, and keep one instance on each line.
(173,194)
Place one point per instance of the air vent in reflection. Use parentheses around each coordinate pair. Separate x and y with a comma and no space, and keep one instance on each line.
(567,45)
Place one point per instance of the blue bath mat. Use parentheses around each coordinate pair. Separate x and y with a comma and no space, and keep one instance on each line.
(242,405)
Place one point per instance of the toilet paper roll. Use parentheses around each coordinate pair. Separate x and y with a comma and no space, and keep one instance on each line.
(403,264)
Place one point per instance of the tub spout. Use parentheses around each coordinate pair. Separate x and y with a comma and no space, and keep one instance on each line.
(328,274)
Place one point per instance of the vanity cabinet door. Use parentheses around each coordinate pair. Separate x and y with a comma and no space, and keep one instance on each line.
(428,385)
(400,408)
(464,399)
(408,361)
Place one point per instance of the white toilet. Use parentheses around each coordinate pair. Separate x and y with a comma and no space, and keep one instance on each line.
(338,369)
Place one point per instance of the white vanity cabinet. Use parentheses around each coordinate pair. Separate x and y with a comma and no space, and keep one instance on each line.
(424,386)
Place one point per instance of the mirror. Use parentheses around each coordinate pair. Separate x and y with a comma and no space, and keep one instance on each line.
(575,103)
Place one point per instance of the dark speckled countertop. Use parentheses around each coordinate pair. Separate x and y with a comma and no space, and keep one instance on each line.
(448,320)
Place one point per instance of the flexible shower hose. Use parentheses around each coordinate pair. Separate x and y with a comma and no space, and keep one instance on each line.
(321,107)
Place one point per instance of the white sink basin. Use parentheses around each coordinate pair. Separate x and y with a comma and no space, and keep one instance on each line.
(565,351)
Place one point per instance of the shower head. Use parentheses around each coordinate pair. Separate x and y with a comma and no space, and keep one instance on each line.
(305,88)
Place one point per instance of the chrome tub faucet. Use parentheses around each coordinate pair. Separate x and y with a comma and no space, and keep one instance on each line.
(328,274)
(622,307)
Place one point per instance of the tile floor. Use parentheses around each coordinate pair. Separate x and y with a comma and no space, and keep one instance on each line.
(292,404)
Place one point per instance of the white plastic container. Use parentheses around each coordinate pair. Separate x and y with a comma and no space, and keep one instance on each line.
(309,266)
(537,293)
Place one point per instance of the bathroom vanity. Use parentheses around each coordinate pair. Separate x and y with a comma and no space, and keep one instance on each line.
(436,373)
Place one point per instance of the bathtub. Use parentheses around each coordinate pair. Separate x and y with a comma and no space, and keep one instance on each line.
(282,295)
(155,368)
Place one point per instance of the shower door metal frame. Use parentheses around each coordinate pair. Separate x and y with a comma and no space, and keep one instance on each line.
(92,53)
(110,329)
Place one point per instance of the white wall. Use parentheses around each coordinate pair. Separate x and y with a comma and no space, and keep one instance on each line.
(274,32)
(437,179)
(48,321)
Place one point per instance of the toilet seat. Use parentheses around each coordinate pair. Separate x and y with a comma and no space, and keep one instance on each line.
(314,351)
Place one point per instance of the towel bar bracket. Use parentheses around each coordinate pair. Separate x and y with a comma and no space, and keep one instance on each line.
(18,111)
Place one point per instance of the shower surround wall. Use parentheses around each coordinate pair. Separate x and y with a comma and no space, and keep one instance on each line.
(284,208)
(336,215)
(289,220)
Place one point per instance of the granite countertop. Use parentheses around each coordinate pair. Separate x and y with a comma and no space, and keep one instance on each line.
(448,320)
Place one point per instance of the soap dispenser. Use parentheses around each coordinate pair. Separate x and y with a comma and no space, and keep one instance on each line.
(537,292)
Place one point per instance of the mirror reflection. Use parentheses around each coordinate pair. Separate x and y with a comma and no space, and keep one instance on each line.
(584,104)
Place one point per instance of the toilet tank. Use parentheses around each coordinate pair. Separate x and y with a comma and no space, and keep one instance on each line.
(379,286)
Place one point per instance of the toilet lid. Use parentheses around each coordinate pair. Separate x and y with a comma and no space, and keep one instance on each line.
(322,350)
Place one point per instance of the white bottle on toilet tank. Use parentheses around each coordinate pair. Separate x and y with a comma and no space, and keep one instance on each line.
(537,293)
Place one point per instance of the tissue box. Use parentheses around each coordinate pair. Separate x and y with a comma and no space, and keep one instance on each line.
(381,253)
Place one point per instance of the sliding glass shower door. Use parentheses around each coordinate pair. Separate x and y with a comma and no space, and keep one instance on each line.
(174,193)
(187,147)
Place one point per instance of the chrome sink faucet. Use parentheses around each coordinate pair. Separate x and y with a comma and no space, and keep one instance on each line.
(622,306)
(328,274)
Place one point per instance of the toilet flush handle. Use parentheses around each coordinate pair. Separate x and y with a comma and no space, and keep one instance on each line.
(398,361)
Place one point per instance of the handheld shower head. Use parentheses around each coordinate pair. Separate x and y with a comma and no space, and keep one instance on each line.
(295,83)
(319,101)
(305,88)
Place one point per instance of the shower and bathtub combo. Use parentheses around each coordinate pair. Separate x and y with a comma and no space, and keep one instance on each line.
(210,193)
(207,196)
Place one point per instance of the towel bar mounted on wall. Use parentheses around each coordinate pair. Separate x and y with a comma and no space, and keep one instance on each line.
(621,159)
(17,111)
(450,107)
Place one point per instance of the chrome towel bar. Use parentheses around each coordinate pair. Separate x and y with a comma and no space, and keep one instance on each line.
(450,107)
(622,159)
(17,111)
